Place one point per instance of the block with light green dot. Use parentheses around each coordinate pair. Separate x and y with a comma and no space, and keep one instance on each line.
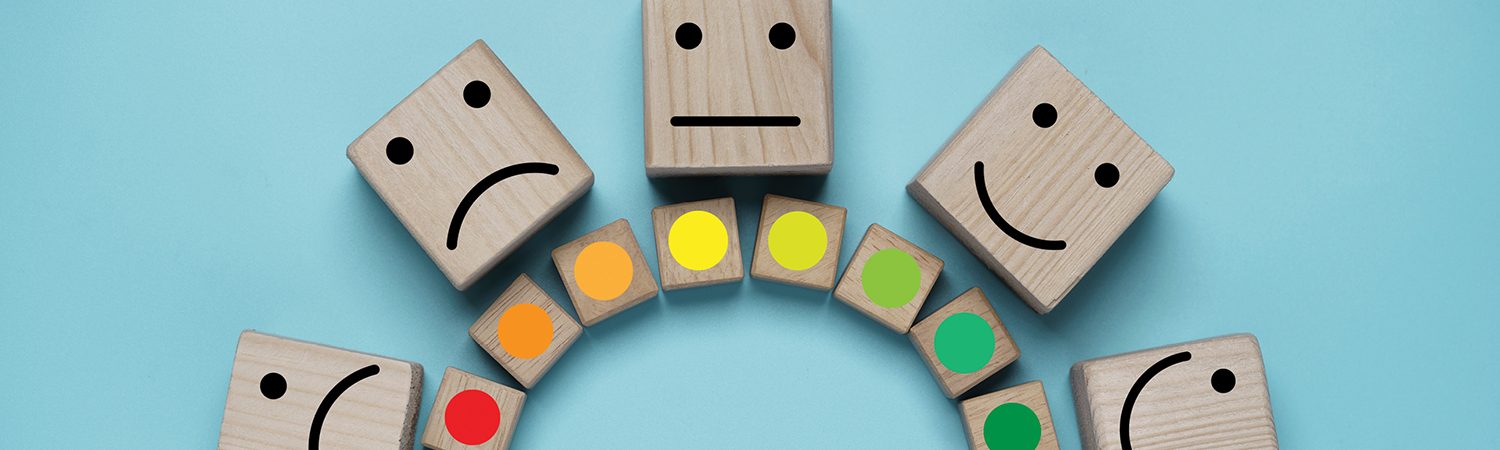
(888,278)
(1014,418)
(798,242)
(964,342)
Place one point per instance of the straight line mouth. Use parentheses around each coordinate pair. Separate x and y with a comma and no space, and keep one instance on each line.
(736,121)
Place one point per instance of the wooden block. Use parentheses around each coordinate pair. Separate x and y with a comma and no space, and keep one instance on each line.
(893,288)
(605,272)
(798,242)
(738,88)
(1040,180)
(525,331)
(290,394)
(1201,394)
(964,342)
(697,244)
(1014,418)
(472,413)
(471,165)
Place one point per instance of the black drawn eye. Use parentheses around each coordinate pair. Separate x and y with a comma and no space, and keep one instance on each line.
(782,36)
(1044,115)
(689,36)
(1107,175)
(273,385)
(398,150)
(1223,381)
(477,94)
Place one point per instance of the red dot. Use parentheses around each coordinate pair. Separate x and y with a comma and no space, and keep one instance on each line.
(472,417)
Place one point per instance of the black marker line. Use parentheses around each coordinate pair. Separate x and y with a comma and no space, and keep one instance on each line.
(736,121)
(1135,391)
(485,184)
(333,395)
(989,207)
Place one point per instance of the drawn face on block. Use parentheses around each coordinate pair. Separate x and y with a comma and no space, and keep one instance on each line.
(289,394)
(1041,180)
(737,88)
(471,165)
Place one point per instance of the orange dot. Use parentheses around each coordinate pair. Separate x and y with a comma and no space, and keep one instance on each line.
(525,331)
(603,271)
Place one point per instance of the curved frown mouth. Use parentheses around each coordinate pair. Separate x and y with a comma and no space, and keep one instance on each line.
(333,395)
(989,208)
(485,184)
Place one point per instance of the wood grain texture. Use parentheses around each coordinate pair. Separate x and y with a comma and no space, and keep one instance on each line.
(735,71)
(820,276)
(455,147)
(1179,407)
(435,436)
(564,331)
(376,411)
(922,334)
(851,289)
(1041,180)
(673,275)
(977,409)
(642,284)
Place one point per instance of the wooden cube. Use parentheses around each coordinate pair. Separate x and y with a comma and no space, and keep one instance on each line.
(1040,180)
(738,88)
(697,244)
(888,279)
(798,242)
(605,272)
(290,394)
(964,342)
(471,165)
(1201,394)
(525,331)
(1013,418)
(472,413)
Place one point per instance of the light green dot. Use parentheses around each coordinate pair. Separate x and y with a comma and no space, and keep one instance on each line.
(1012,426)
(964,342)
(891,278)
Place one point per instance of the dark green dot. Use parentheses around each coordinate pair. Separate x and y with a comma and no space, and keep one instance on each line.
(891,278)
(1012,426)
(964,342)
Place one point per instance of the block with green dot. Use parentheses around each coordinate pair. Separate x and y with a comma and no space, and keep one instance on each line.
(1015,418)
(798,242)
(964,342)
(888,279)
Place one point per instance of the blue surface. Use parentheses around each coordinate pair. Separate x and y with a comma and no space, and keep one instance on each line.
(174,173)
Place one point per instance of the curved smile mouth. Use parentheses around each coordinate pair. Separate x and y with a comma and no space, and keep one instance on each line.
(333,395)
(736,121)
(989,208)
(484,185)
(1135,391)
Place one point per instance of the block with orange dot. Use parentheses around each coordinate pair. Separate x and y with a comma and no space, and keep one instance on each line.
(697,244)
(964,342)
(472,413)
(605,272)
(888,278)
(1013,418)
(525,331)
(798,242)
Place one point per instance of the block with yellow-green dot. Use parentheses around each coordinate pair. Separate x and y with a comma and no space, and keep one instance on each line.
(697,244)
(1015,418)
(798,242)
(888,278)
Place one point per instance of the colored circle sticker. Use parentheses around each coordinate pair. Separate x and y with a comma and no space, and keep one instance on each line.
(525,331)
(472,417)
(603,270)
(891,278)
(698,240)
(1012,426)
(797,240)
(964,342)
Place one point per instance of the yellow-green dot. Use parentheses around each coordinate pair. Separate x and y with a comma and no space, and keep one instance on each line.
(797,240)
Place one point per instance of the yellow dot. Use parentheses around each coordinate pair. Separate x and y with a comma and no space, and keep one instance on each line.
(603,270)
(698,240)
(797,240)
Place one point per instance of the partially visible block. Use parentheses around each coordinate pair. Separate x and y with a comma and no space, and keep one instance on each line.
(1201,394)
(738,88)
(472,413)
(888,279)
(697,244)
(525,331)
(605,272)
(1040,180)
(798,242)
(1015,418)
(290,394)
(964,342)
(471,165)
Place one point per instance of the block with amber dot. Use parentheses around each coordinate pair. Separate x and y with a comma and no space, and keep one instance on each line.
(604,272)
(963,343)
(472,413)
(888,279)
(525,331)
(798,242)
(1016,418)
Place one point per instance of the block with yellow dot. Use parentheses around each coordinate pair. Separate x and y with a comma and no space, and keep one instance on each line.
(1013,418)
(964,342)
(525,331)
(697,244)
(888,278)
(798,242)
(472,413)
(604,272)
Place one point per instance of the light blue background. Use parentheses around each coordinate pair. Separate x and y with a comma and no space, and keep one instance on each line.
(174,172)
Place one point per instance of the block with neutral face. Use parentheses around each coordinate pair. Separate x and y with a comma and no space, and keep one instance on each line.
(1202,394)
(286,394)
(1013,418)
(1040,180)
(963,343)
(525,331)
(471,165)
(472,413)
(697,244)
(737,88)
(888,278)
(605,272)
(798,242)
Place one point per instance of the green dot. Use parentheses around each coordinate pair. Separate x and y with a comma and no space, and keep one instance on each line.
(1012,426)
(891,278)
(964,342)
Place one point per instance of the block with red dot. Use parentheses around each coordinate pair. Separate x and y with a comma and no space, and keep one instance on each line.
(472,413)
